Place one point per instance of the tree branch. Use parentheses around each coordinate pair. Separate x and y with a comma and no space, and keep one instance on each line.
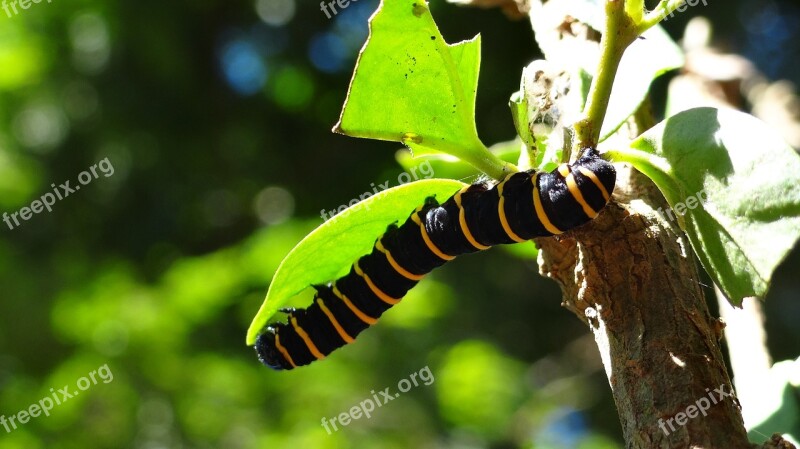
(631,276)
(633,280)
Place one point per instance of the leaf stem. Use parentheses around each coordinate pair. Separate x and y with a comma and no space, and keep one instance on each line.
(653,166)
(493,165)
(620,31)
(638,158)
(635,9)
(662,10)
(481,158)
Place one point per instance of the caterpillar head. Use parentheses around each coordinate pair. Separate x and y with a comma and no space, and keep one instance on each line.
(603,169)
(267,353)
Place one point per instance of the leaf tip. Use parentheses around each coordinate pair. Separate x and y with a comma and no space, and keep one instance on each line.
(337,128)
(252,334)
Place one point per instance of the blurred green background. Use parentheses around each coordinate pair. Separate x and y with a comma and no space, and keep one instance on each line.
(216,117)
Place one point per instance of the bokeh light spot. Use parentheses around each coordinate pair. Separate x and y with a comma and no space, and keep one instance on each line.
(275,12)
(274,205)
(244,70)
(91,43)
(41,127)
(293,88)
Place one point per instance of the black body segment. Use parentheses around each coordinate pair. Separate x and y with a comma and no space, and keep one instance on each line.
(522,206)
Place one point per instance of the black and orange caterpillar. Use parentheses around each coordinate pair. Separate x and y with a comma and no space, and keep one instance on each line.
(523,206)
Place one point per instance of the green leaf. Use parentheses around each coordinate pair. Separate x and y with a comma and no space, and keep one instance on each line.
(645,60)
(519,114)
(327,252)
(747,179)
(410,86)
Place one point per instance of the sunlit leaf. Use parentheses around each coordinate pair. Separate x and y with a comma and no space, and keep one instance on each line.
(410,86)
(733,184)
(329,250)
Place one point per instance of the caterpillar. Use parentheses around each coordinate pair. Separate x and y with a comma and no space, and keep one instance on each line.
(522,206)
